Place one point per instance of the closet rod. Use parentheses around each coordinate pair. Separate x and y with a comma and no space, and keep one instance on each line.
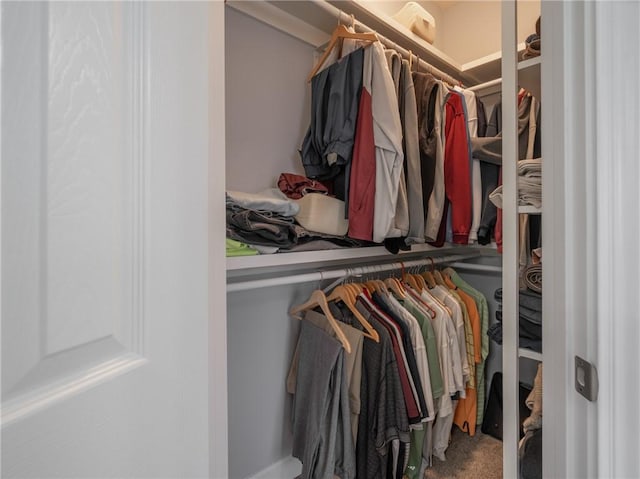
(477,267)
(361,27)
(342,273)
(487,84)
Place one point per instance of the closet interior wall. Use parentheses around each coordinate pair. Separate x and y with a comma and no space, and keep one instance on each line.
(267,110)
(267,113)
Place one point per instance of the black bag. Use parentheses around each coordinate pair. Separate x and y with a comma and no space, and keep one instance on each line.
(492,422)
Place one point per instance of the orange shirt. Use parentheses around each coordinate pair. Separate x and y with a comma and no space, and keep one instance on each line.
(466,411)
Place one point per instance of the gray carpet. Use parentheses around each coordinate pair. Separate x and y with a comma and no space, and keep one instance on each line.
(478,457)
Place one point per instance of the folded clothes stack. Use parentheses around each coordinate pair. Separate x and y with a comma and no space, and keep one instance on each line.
(263,219)
(267,222)
(238,248)
(529,184)
(530,320)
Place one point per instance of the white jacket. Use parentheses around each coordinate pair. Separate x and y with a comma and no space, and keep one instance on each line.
(387,134)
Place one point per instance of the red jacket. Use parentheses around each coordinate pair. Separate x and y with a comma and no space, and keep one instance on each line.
(457,173)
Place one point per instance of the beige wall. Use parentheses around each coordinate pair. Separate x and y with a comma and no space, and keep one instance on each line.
(391,7)
(470,29)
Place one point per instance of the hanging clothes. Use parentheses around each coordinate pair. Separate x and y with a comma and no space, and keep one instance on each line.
(352,363)
(476,178)
(320,413)
(362,179)
(411,146)
(328,145)
(400,223)
(383,415)
(457,172)
(387,134)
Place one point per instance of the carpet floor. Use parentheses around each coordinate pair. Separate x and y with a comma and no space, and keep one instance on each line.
(478,457)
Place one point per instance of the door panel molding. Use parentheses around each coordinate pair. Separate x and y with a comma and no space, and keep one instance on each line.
(77,181)
(36,400)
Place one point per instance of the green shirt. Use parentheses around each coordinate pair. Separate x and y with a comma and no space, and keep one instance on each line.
(437,388)
(483,309)
(236,248)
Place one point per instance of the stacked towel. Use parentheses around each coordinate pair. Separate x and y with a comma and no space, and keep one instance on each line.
(529,184)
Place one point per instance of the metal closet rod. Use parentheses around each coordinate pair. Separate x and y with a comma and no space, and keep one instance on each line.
(487,268)
(344,272)
(487,84)
(335,11)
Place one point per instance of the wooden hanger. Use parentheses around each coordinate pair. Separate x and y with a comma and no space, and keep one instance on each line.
(355,288)
(383,287)
(439,301)
(428,275)
(318,298)
(352,288)
(429,279)
(370,287)
(439,279)
(411,281)
(344,294)
(447,280)
(395,286)
(418,298)
(422,284)
(341,32)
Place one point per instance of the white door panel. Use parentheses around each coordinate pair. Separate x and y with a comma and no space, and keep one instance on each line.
(104,239)
(72,257)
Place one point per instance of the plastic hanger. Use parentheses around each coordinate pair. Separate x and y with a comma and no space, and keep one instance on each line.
(318,298)
(344,294)
(341,32)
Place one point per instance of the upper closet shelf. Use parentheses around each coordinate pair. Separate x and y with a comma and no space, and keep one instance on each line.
(313,23)
(529,76)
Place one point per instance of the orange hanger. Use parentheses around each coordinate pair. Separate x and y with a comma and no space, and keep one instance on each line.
(341,32)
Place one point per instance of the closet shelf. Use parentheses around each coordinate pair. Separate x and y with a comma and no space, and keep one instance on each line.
(529,76)
(529,354)
(291,17)
(307,260)
(531,210)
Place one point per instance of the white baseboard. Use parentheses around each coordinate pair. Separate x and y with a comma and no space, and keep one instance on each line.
(286,468)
